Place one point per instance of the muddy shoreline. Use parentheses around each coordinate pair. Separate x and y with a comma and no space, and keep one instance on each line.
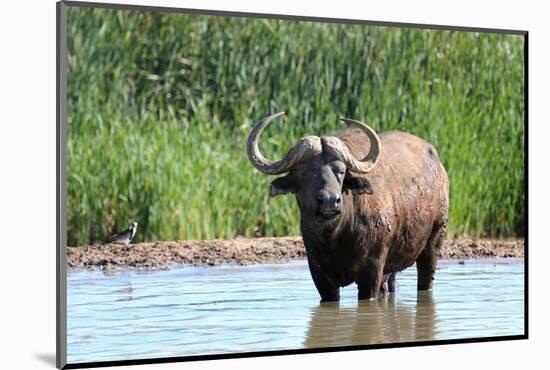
(245,251)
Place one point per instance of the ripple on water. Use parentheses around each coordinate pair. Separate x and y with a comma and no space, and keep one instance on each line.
(207,310)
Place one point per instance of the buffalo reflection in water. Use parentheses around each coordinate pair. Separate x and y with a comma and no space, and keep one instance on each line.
(383,320)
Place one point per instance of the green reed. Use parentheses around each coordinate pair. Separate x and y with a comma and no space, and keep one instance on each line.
(160,106)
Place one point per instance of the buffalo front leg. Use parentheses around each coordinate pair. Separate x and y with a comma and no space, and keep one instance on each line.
(327,291)
(370,279)
(427,261)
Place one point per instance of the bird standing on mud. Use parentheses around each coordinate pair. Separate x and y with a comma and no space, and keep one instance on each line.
(124,236)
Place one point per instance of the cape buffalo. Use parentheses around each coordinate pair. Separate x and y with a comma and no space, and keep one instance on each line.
(371,205)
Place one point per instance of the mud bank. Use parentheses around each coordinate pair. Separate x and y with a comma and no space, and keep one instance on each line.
(244,251)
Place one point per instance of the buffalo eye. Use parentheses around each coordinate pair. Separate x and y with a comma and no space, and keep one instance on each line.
(339,171)
(357,185)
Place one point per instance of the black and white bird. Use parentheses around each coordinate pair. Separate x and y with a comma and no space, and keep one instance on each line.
(124,236)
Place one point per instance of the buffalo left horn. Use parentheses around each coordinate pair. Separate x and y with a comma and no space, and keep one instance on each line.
(304,149)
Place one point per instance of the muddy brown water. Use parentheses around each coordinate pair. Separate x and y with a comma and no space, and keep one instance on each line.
(223,309)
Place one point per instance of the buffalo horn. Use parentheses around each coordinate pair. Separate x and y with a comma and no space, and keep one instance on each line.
(341,151)
(304,149)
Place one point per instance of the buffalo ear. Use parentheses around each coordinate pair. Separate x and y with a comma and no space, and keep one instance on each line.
(283,185)
(357,185)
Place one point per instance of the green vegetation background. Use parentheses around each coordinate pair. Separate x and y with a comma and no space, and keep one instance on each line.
(160,105)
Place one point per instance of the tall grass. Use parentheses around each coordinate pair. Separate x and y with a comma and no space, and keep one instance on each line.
(160,106)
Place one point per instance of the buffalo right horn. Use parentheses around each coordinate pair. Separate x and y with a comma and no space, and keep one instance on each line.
(304,149)
(369,162)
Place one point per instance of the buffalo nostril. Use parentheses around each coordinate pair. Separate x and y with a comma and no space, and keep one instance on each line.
(321,199)
(329,200)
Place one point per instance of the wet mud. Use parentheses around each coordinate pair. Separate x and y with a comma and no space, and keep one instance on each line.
(245,251)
